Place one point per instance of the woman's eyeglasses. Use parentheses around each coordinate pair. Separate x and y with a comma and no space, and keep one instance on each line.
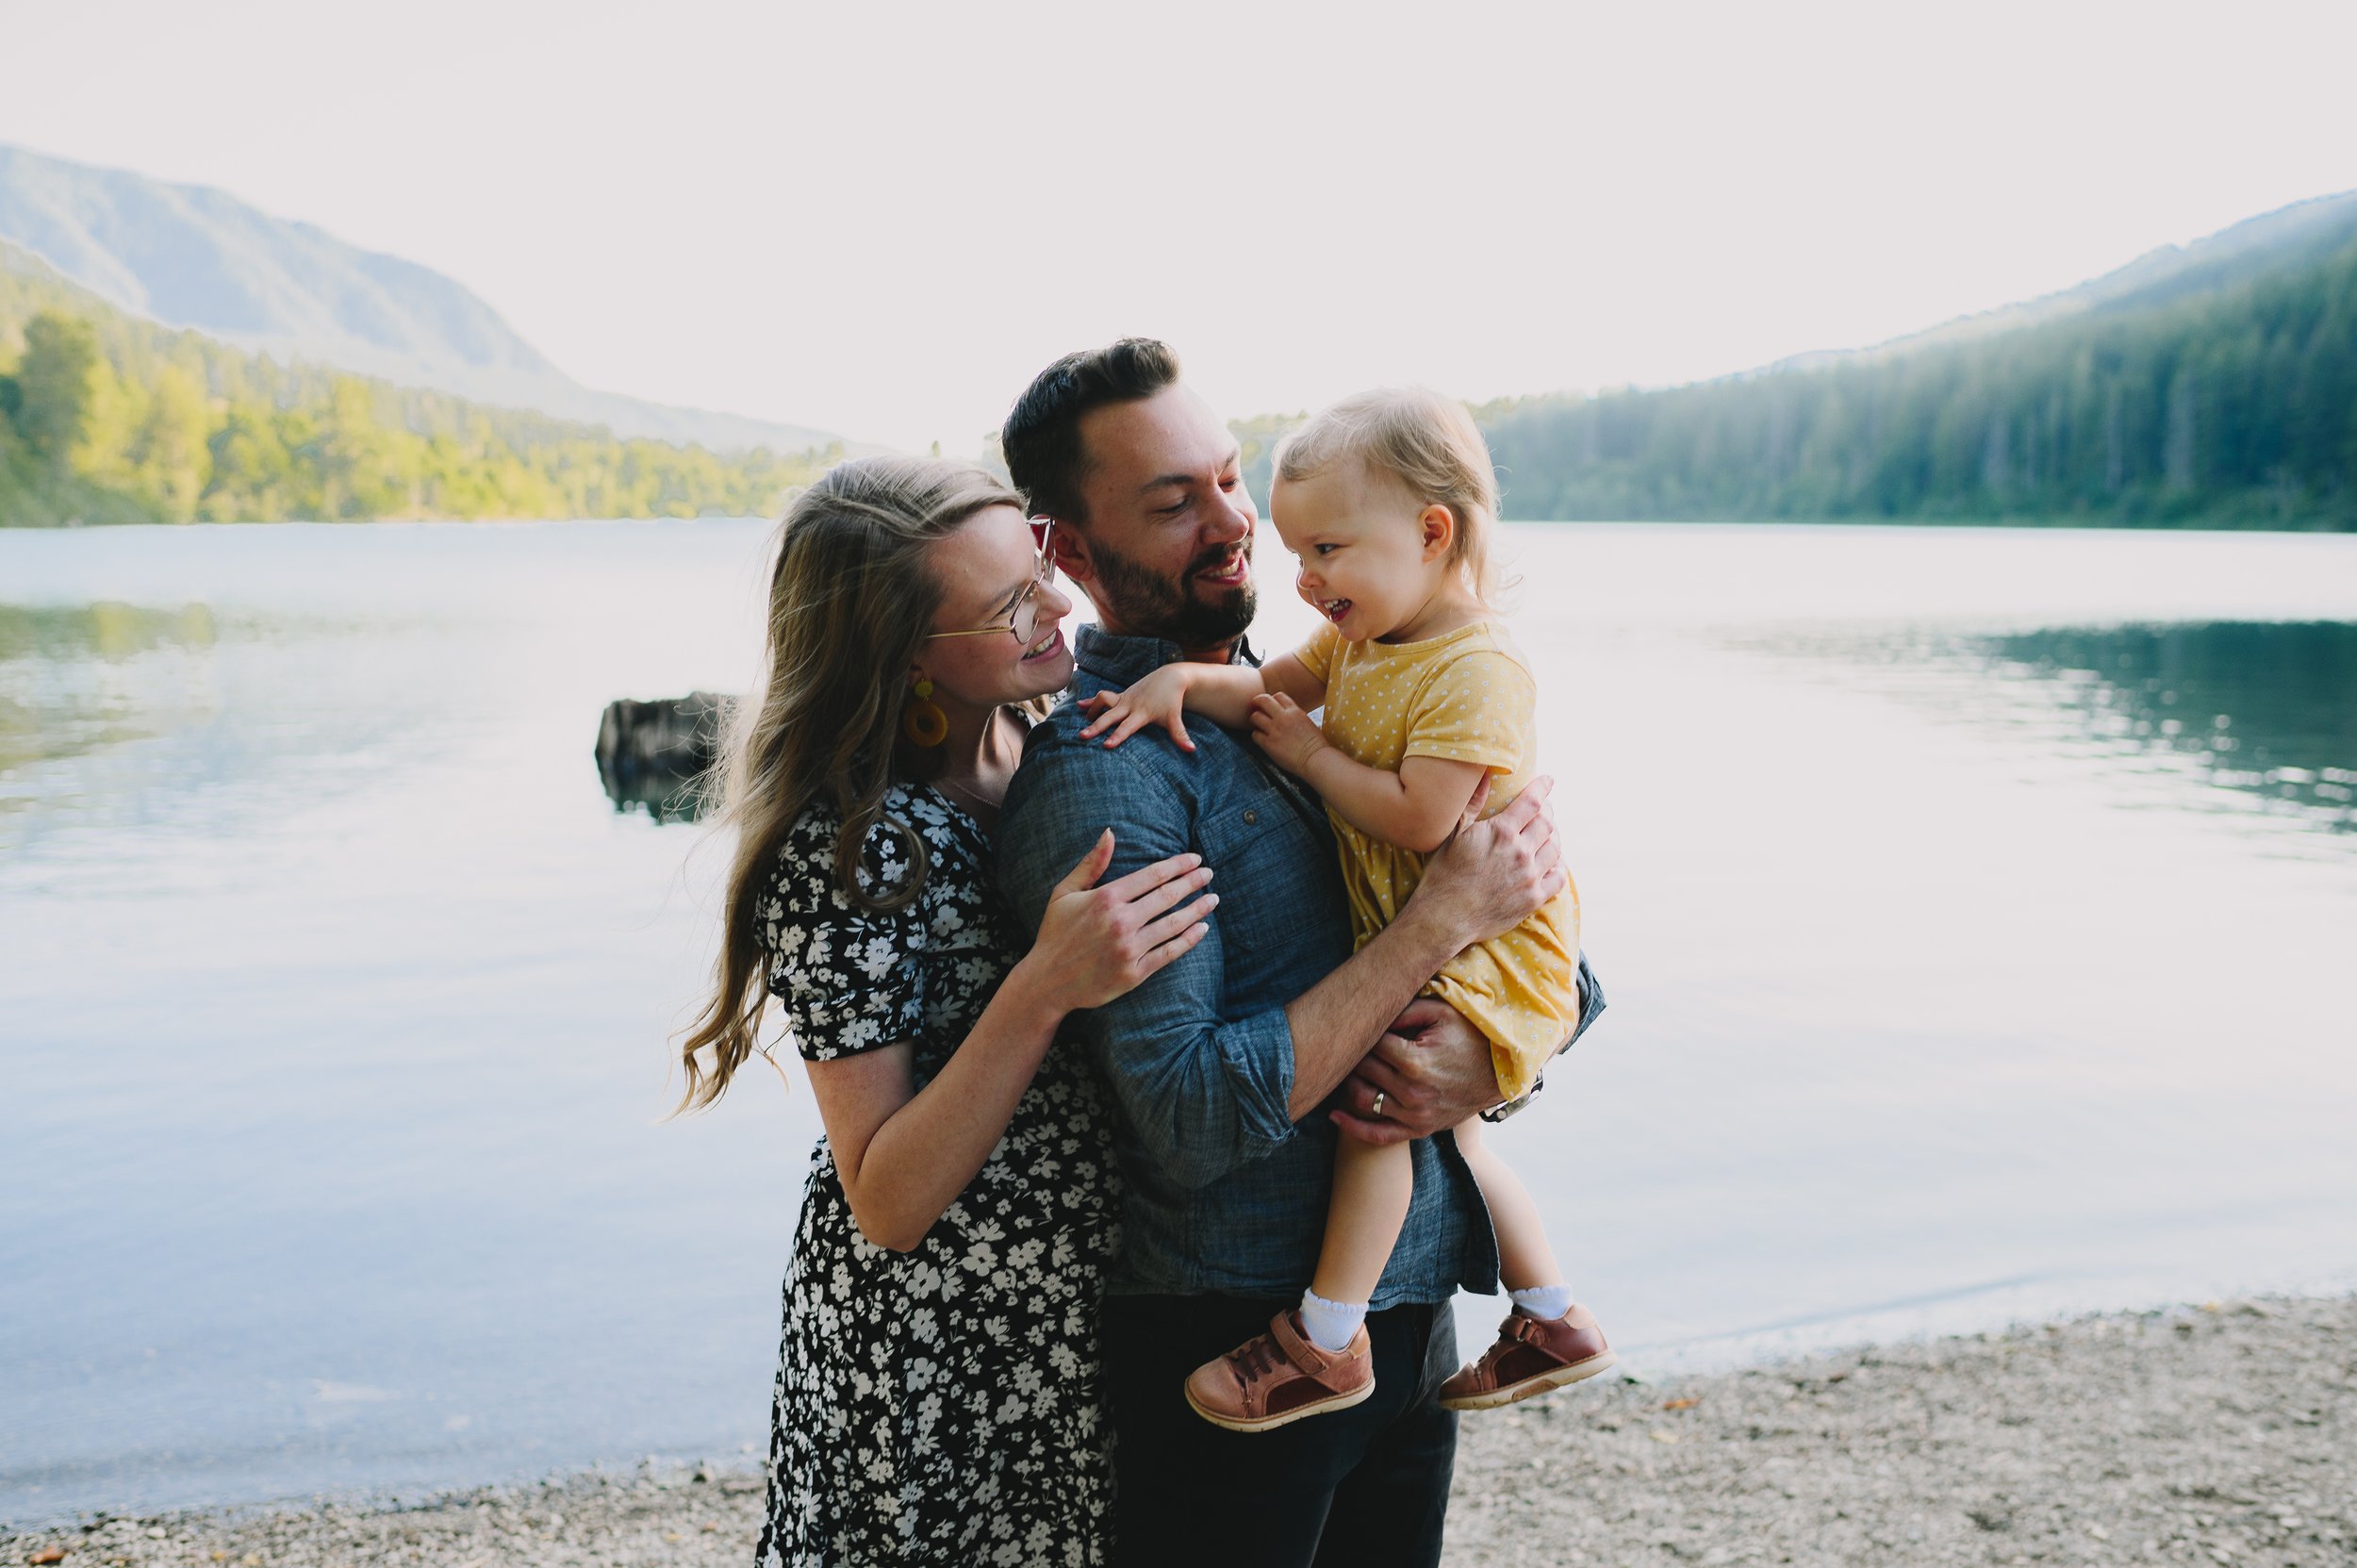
(1023,621)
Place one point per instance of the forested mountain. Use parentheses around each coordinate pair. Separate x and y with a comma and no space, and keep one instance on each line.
(189,256)
(108,418)
(2293,236)
(2213,386)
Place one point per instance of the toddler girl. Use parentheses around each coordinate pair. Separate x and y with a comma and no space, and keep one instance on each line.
(1386,499)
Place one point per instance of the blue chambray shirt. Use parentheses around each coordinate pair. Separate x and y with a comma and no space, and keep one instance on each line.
(1224,1194)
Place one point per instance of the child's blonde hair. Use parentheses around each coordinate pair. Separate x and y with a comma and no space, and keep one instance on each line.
(1424,442)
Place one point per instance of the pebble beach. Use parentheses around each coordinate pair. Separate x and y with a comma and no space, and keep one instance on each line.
(2224,1434)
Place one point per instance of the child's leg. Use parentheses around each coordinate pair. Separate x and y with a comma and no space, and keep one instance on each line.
(1373,1184)
(1547,1340)
(1526,1263)
(1281,1377)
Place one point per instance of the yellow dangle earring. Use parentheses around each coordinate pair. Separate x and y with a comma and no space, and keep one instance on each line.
(921,718)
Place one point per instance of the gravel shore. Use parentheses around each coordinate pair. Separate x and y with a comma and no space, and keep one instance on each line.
(2219,1435)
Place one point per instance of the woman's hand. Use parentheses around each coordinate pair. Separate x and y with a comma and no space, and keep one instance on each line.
(1285,731)
(905,1153)
(1161,697)
(1096,943)
(1492,875)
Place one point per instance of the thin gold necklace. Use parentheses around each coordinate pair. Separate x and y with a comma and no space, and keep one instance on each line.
(971,798)
(986,806)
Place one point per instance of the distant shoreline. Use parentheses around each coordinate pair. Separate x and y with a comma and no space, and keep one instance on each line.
(2054,524)
(2196,1435)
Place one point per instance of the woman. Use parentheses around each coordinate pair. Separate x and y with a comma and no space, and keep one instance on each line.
(937,1394)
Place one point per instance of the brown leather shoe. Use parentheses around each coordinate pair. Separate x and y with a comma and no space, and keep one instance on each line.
(1531,1356)
(1277,1378)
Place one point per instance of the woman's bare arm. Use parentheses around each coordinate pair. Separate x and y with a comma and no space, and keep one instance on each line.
(904,1153)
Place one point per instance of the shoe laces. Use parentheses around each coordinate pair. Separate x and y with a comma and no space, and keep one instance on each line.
(1510,1334)
(1254,1360)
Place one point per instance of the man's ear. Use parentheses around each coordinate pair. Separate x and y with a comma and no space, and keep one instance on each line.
(1072,554)
(1440,531)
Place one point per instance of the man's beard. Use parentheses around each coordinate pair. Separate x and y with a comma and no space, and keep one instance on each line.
(1148,604)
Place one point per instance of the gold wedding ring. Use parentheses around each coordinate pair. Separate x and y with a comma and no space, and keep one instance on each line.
(1379,1105)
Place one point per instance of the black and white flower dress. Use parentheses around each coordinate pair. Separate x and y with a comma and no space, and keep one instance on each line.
(943,1405)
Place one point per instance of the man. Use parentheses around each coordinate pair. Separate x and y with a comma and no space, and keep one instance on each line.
(1221,1064)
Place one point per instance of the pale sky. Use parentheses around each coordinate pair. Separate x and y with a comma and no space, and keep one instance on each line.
(883,218)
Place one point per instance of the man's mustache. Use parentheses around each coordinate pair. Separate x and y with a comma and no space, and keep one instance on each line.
(1219,556)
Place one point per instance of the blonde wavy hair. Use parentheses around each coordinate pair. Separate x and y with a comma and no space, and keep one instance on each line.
(1427,445)
(850,603)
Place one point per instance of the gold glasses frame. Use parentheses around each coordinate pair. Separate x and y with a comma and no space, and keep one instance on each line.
(1043,533)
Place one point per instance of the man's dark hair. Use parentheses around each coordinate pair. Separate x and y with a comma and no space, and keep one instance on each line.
(1041,440)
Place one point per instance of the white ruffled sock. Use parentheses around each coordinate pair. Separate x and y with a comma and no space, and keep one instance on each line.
(1544,1300)
(1330,1325)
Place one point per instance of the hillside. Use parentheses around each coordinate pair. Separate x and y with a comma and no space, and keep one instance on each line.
(2296,234)
(106,416)
(193,257)
(2213,386)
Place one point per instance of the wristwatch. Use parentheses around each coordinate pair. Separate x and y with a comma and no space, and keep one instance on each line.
(1590,1003)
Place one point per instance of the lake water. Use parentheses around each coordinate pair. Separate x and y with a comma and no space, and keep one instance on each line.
(1976,906)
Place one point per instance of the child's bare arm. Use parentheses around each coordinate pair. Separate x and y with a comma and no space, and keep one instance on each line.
(1415,808)
(1287,676)
(1221,693)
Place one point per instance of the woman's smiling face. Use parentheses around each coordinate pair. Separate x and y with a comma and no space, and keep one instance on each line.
(992,583)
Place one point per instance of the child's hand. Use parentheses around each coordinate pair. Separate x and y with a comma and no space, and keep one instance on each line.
(1159,699)
(1284,731)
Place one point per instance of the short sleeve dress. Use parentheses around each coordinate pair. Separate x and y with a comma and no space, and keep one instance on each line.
(942,1405)
(1465,696)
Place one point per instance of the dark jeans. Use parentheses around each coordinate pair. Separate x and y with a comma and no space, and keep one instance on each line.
(1361,1488)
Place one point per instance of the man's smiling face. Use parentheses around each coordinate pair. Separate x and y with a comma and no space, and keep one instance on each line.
(1166,548)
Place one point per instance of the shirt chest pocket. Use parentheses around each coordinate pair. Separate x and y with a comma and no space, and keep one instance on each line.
(1276,867)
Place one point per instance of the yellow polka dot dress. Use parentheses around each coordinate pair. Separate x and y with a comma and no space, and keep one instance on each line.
(1466,695)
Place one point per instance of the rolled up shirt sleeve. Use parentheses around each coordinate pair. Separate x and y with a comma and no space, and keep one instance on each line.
(1202,1094)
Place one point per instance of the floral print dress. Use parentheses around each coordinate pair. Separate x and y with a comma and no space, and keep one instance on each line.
(943,1405)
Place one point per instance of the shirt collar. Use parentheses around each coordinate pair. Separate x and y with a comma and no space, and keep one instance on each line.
(1125,661)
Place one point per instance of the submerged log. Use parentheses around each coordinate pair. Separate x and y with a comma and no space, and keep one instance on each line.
(650,754)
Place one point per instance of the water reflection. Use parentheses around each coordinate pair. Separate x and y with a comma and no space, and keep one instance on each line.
(2241,716)
(2269,709)
(2264,708)
(654,756)
(108,631)
(664,796)
(116,713)
(65,684)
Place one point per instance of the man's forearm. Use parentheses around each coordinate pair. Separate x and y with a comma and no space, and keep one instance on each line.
(1339,1019)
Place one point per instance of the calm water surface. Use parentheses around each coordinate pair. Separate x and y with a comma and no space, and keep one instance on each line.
(1976,909)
